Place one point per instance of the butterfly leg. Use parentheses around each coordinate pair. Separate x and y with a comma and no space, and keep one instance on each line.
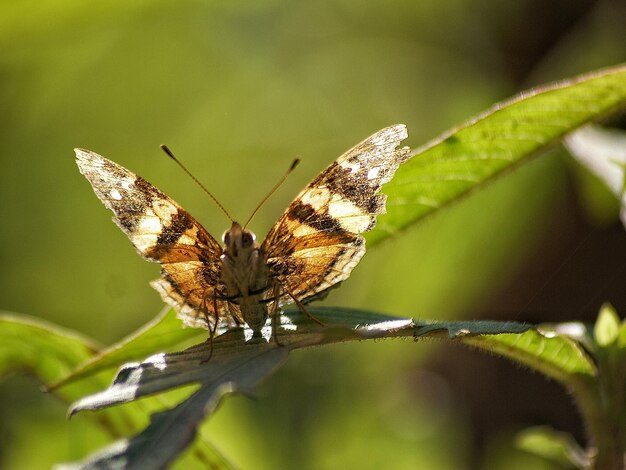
(303,309)
(212,330)
(275,313)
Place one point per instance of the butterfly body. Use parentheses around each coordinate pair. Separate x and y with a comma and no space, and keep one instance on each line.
(245,275)
(314,245)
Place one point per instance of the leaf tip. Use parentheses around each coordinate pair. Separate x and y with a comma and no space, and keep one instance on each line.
(606,329)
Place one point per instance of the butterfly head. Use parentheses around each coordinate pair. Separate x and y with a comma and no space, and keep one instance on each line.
(239,242)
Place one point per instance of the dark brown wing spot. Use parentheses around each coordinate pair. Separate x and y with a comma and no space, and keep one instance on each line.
(148,191)
(130,211)
(353,186)
(306,214)
(171,232)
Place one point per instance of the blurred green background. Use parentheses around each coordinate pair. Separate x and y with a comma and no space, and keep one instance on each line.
(237,90)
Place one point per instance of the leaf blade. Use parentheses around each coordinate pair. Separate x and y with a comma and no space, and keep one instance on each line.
(162,332)
(467,157)
(52,352)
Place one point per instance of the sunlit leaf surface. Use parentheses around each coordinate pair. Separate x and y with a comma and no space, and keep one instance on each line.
(466,157)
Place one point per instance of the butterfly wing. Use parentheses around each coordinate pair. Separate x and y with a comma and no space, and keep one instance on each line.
(317,242)
(165,233)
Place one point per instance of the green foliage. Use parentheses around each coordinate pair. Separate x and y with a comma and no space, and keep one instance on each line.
(233,364)
(606,331)
(553,445)
(599,395)
(545,350)
(464,158)
(159,334)
(50,353)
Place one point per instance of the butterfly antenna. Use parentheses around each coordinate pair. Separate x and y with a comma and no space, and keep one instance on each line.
(171,155)
(293,166)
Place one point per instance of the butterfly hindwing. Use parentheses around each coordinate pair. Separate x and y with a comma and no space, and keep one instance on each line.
(165,233)
(317,241)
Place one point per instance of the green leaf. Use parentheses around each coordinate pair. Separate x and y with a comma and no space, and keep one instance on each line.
(228,352)
(233,362)
(229,356)
(51,352)
(171,431)
(606,329)
(543,349)
(229,360)
(553,445)
(160,334)
(464,158)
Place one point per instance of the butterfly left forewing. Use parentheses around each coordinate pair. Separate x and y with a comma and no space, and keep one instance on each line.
(165,233)
(317,241)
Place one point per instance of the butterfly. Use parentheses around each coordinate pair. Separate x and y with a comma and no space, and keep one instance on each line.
(315,244)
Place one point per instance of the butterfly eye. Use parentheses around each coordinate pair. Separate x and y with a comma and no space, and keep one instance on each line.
(226,237)
(247,239)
